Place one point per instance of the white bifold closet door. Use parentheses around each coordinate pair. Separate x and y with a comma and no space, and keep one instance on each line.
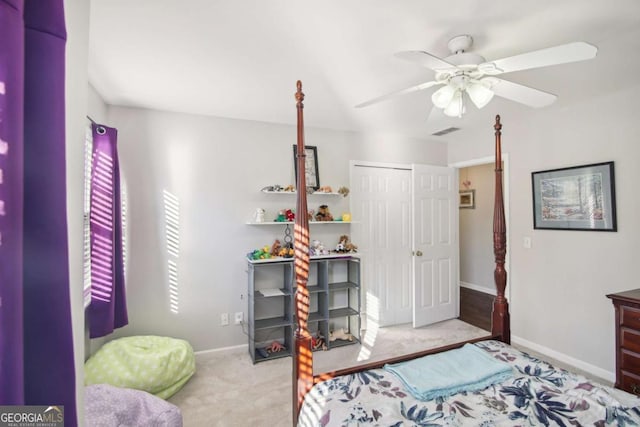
(406,231)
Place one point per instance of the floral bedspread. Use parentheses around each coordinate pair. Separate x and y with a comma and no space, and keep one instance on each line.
(538,394)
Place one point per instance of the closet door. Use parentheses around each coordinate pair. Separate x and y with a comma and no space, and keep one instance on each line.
(435,244)
(381,207)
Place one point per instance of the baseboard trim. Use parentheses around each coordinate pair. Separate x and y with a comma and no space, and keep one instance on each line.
(587,367)
(218,350)
(478,288)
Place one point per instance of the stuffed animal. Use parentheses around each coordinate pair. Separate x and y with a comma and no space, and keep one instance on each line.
(325,189)
(340,334)
(324,214)
(286,251)
(289,215)
(274,347)
(263,253)
(317,342)
(345,246)
(275,248)
(289,188)
(317,248)
(344,191)
(259,215)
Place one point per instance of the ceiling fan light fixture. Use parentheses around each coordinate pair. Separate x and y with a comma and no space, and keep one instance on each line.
(456,107)
(480,95)
(443,96)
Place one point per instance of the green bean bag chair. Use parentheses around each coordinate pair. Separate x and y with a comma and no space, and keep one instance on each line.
(158,365)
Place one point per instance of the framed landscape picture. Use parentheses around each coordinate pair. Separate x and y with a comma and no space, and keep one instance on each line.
(575,198)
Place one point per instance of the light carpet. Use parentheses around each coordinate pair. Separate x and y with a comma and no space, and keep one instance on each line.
(229,390)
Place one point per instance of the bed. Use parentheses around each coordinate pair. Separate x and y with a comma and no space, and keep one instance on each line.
(527,391)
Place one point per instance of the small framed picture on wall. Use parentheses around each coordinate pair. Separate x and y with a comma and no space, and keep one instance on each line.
(467,199)
(311,175)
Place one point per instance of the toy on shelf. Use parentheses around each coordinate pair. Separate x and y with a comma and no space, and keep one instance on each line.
(286,215)
(259,215)
(324,214)
(325,189)
(318,342)
(289,188)
(262,253)
(344,191)
(317,248)
(286,251)
(271,188)
(275,248)
(340,334)
(275,347)
(345,246)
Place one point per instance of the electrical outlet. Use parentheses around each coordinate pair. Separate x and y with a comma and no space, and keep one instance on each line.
(238,318)
(224,319)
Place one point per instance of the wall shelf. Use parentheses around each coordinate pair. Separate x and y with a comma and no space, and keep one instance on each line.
(293,223)
(315,193)
(313,258)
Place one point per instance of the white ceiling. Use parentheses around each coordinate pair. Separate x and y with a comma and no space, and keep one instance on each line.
(241,58)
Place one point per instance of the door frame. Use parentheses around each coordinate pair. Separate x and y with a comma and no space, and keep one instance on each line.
(506,196)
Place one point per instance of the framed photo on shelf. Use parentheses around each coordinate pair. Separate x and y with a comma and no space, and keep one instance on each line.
(467,199)
(575,198)
(312,177)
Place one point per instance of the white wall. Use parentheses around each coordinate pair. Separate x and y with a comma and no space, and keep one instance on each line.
(558,286)
(76,81)
(476,230)
(216,168)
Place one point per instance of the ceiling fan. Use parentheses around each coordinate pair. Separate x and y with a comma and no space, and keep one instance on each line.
(465,75)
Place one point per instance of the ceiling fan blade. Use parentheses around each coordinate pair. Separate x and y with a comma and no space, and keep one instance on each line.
(523,94)
(421,86)
(425,59)
(563,54)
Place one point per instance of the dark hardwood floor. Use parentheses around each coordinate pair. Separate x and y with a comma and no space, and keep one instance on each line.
(475,308)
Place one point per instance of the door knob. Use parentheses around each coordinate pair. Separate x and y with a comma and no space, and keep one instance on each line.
(418,253)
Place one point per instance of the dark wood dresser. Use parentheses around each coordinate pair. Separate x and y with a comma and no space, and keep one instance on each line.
(627,306)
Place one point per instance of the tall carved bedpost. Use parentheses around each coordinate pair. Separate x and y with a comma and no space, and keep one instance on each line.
(302,357)
(500,317)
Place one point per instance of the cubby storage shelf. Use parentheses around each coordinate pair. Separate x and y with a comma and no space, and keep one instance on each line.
(272,322)
(257,357)
(342,343)
(342,312)
(334,293)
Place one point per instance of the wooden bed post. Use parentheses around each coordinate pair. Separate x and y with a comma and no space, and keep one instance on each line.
(500,317)
(302,357)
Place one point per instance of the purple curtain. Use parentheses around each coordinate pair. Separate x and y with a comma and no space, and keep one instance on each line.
(37,360)
(108,308)
(11,196)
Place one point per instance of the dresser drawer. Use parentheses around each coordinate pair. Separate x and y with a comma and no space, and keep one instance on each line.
(629,382)
(630,317)
(630,339)
(629,361)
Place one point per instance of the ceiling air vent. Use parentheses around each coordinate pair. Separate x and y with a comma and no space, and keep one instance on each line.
(445,131)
